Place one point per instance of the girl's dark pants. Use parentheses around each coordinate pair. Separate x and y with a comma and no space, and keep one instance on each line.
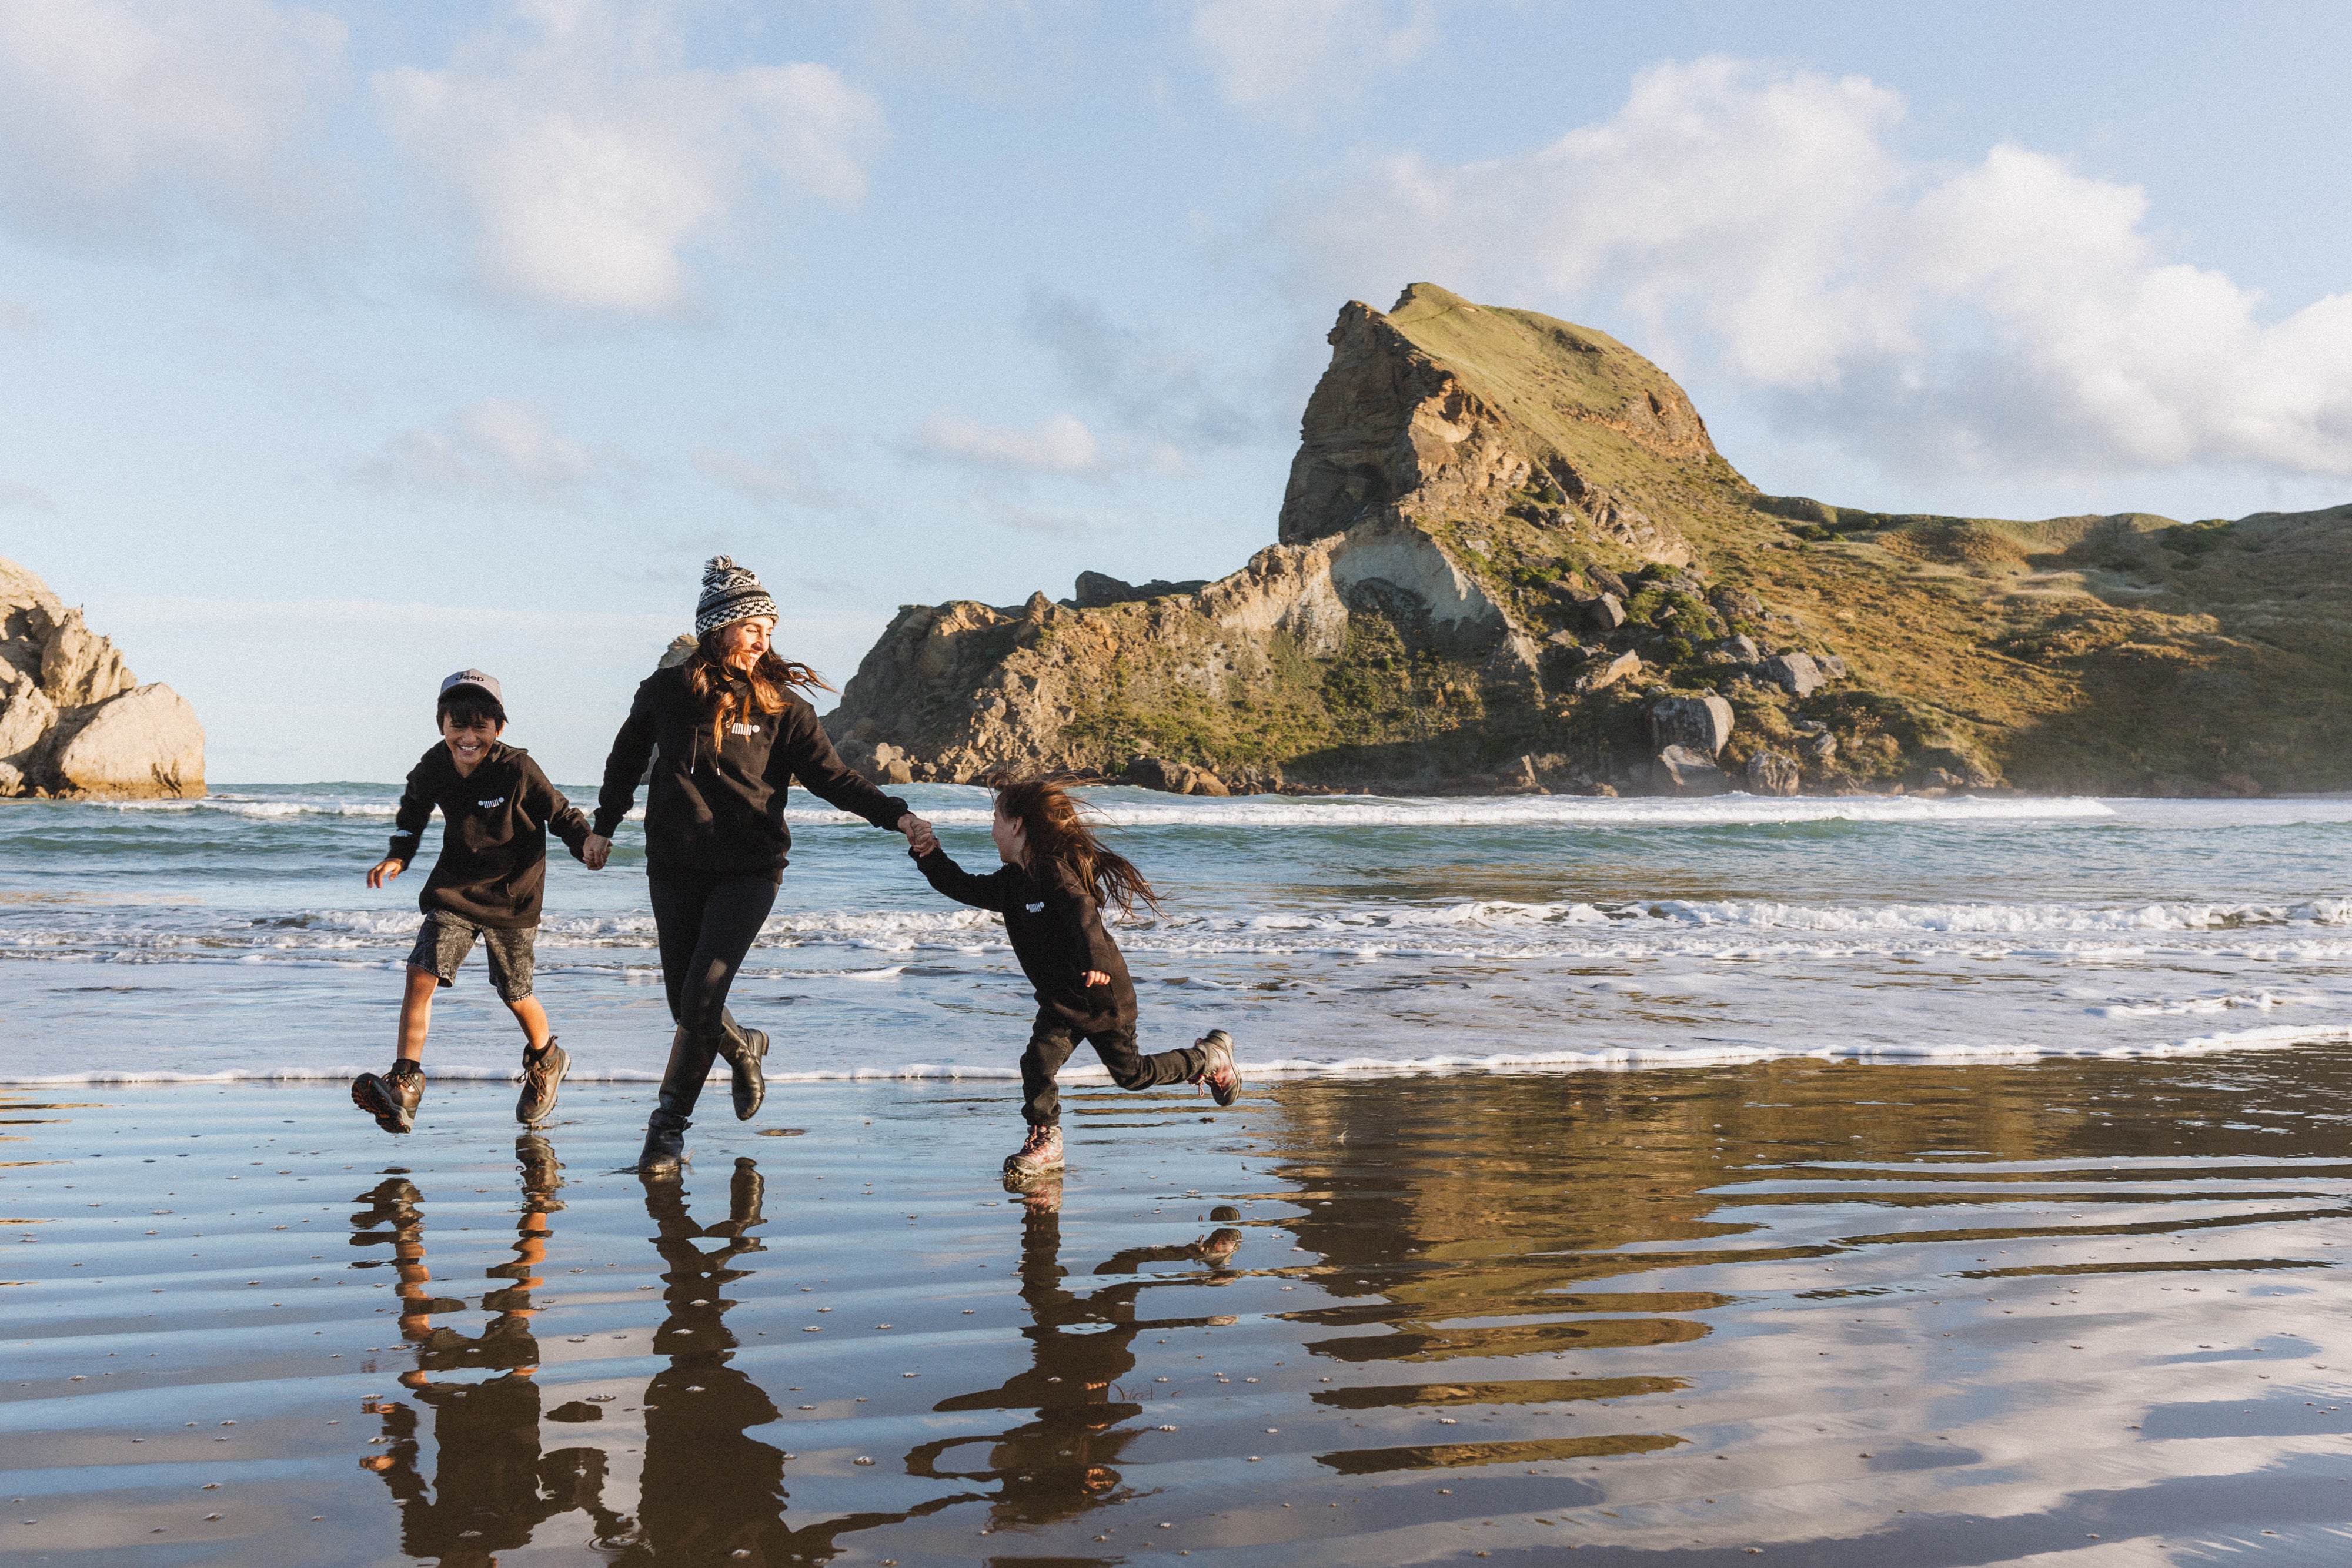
(1053,1038)
(705,922)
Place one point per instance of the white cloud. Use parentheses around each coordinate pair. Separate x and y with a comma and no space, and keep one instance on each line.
(787,475)
(589,156)
(111,108)
(2012,311)
(1281,57)
(1060,445)
(25,498)
(497,450)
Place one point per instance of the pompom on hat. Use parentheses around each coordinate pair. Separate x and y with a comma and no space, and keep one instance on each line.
(730,593)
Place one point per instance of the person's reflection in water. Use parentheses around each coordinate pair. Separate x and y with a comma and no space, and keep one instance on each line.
(491,1486)
(711,1492)
(1066,1460)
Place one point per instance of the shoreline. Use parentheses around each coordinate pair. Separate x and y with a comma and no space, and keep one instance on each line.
(1628,1060)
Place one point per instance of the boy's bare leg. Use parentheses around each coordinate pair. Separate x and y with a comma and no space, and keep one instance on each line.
(533,1018)
(416,1012)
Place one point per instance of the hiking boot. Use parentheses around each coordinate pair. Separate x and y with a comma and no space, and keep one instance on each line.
(391,1097)
(1218,1074)
(1042,1152)
(542,1076)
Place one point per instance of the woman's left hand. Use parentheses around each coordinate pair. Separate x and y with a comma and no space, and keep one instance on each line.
(1093,978)
(920,840)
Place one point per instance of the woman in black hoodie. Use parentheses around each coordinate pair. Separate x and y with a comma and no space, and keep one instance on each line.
(726,733)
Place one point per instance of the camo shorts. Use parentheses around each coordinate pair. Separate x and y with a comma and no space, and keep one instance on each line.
(445,939)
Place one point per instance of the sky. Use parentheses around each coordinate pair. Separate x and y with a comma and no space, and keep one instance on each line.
(342,346)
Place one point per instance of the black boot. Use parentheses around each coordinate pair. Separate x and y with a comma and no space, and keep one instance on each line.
(681,1086)
(743,1048)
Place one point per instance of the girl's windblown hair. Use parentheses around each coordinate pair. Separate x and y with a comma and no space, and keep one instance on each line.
(770,679)
(1051,819)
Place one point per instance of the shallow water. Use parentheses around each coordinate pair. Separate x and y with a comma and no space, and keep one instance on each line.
(234,937)
(1825,1313)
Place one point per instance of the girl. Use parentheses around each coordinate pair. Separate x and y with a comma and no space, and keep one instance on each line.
(726,733)
(1055,878)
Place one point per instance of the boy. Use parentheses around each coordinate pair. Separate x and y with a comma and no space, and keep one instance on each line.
(496,808)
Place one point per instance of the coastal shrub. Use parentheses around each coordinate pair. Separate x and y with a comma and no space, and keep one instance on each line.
(1675,651)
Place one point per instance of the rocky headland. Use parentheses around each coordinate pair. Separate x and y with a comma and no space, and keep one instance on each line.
(1509,556)
(74,721)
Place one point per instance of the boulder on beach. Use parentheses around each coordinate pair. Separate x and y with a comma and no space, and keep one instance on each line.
(1689,772)
(1773,773)
(74,720)
(1702,724)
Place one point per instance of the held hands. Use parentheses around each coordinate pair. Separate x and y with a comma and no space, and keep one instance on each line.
(383,871)
(920,840)
(594,850)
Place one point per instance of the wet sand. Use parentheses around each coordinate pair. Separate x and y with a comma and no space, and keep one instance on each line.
(1795,1313)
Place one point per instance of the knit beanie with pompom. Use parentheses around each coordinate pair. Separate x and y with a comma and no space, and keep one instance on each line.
(729,594)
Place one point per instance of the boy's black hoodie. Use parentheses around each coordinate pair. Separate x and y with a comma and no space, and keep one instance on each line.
(720,808)
(493,864)
(1057,933)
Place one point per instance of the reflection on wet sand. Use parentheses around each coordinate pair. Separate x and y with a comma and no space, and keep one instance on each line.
(711,1492)
(1848,1316)
(1066,1458)
(491,1485)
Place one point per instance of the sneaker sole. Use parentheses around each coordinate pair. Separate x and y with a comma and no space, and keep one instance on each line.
(368,1094)
(1233,1090)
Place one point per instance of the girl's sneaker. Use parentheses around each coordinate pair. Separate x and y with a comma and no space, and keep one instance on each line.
(1218,1074)
(1041,1152)
(391,1097)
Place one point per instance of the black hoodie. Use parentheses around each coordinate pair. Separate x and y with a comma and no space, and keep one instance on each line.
(720,808)
(493,864)
(1057,933)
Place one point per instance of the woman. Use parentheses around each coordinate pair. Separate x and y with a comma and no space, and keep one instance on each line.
(726,733)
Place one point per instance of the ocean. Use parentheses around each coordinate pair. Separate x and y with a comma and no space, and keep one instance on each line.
(235,937)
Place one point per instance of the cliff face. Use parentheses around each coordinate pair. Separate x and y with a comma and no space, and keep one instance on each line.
(74,721)
(1510,557)
(1445,411)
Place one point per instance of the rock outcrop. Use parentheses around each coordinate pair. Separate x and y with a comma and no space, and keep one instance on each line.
(1507,546)
(74,721)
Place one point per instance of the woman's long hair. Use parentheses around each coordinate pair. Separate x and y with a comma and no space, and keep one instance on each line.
(1051,818)
(774,679)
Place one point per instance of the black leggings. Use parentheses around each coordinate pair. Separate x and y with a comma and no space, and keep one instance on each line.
(1052,1038)
(705,922)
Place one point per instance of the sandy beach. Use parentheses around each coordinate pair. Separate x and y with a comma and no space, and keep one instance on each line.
(1831,1314)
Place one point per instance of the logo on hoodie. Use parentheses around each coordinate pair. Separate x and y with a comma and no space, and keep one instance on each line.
(492,805)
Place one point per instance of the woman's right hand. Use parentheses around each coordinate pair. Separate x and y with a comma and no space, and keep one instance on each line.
(594,850)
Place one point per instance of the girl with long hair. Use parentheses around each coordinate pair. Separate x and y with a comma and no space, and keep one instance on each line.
(725,733)
(1056,878)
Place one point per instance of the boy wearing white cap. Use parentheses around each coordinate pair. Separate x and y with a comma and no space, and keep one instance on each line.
(496,808)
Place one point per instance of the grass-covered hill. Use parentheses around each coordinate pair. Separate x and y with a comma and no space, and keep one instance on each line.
(1507,539)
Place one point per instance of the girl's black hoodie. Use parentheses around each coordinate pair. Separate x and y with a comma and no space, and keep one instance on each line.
(720,807)
(1057,933)
(493,864)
